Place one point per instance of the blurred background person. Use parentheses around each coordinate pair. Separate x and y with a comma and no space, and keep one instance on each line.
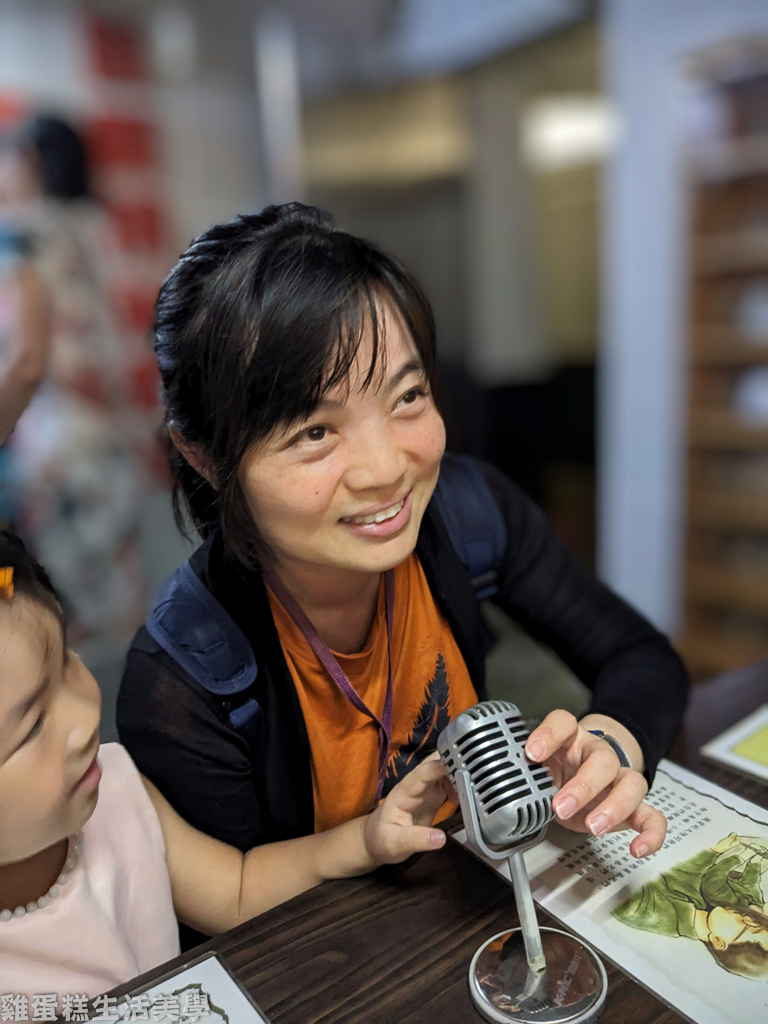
(24,337)
(73,460)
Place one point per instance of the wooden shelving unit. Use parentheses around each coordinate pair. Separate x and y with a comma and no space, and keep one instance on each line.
(726,570)
(720,430)
(732,252)
(725,346)
(732,158)
(717,509)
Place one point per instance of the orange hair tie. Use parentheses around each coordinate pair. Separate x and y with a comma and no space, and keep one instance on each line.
(6,582)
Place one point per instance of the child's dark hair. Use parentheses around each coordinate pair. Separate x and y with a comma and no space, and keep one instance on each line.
(29,578)
(258,320)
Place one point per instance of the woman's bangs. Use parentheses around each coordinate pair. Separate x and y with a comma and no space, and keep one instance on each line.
(363,312)
(311,372)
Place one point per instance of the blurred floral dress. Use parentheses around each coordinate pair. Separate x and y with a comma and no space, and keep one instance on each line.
(78,454)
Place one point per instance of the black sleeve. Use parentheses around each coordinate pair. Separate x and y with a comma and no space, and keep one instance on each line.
(634,674)
(179,738)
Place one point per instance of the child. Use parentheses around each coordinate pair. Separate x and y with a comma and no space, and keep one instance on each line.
(93,863)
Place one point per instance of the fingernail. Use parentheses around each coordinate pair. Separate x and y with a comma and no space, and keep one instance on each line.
(535,750)
(436,837)
(641,850)
(565,807)
(598,824)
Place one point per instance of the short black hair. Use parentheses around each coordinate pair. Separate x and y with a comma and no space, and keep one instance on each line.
(61,154)
(29,577)
(259,319)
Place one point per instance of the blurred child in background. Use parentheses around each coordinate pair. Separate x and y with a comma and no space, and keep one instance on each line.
(75,459)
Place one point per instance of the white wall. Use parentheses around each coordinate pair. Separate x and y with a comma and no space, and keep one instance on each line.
(208,132)
(642,387)
(41,53)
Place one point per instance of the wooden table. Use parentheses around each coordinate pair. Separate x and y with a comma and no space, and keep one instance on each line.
(394,947)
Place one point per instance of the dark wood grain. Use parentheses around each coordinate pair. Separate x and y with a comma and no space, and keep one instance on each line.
(394,947)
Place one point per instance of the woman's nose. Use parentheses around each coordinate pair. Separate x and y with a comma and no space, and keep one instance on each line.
(377,463)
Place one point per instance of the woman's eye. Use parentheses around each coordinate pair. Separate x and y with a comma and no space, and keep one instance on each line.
(315,433)
(412,396)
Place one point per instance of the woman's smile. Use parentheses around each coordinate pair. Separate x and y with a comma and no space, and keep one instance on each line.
(385,522)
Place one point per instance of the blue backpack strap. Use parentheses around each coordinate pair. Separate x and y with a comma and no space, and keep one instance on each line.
(473,520)
(202,637)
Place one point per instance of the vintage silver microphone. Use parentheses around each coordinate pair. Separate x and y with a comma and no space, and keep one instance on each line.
(506,804)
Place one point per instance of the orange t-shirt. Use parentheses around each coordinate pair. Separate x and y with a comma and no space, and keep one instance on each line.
(431,685)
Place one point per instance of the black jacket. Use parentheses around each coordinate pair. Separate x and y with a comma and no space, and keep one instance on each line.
(247,793)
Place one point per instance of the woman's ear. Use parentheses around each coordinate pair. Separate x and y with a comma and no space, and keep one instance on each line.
(194,455)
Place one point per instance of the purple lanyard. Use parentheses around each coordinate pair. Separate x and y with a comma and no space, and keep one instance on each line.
(337,673)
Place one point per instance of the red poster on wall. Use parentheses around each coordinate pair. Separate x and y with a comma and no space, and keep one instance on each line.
(140,227)
(13,109)
(121,142)
(116,50)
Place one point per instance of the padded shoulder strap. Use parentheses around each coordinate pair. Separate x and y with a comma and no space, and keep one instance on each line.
(473,520)
(200,635)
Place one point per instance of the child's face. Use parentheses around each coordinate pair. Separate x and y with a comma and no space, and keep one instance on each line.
(49,733)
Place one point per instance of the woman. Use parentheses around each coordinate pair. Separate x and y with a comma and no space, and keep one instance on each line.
(298,367)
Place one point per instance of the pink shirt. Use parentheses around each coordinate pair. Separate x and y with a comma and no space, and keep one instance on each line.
(114,917)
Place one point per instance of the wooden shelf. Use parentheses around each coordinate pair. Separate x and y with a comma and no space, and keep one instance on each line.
(708,654)
(732,252)
(739,590)
(725,346)
(722,431)
(727,510)
(732,159)
(725,596)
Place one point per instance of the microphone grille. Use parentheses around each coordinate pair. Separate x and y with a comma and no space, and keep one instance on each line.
(513,795)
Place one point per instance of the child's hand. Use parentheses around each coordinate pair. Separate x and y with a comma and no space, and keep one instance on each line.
(400,825)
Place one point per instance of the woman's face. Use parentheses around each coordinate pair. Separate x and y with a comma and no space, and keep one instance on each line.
(347,488)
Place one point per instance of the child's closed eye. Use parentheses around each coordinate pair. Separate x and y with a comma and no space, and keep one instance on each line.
(35,730)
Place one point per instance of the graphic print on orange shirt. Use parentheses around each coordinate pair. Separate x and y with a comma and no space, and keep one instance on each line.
(431,685)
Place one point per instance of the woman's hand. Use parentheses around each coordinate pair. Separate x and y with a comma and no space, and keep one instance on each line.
(400,825)
(596,794)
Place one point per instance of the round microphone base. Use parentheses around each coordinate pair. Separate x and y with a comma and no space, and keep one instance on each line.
(570,990)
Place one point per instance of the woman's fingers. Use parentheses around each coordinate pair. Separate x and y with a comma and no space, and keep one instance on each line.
(558,727)
(597,772)
(651,825)
(619,806)
(601,794)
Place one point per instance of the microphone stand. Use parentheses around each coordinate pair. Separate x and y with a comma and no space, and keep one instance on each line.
(529,924)
(565,983)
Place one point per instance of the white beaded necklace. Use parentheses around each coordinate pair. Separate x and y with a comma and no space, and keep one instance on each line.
(74,851)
